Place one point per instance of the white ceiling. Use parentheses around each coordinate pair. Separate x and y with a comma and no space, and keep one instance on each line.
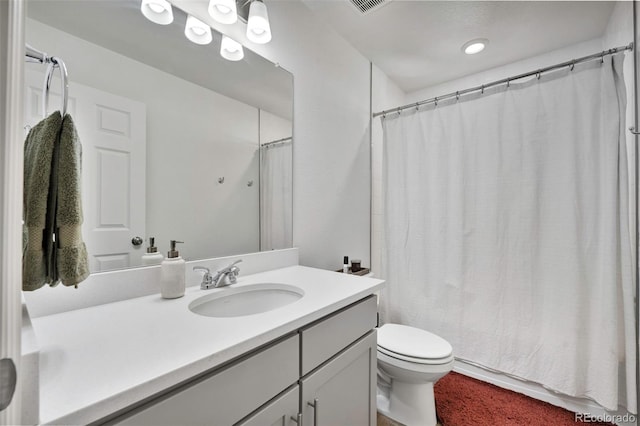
(417,43)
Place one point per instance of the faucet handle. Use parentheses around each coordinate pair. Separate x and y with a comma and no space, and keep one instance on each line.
(202,268)
(207,279)
(233,274)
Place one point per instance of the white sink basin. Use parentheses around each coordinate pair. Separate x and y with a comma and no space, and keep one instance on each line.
(246,300)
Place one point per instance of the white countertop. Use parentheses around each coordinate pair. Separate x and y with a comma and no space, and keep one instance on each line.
(99,360)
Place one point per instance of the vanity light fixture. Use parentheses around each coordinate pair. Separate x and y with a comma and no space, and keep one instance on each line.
(223,11)
(231,49)
(258,29)
(475,46)
(197,31)
(158,11)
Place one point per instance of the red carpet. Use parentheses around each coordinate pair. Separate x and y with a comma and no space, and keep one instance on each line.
(463,401)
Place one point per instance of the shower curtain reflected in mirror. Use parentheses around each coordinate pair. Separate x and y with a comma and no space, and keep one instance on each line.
(276,195)
(507,230)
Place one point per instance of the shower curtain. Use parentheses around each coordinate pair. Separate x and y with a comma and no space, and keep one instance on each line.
(275,196)
(506,230)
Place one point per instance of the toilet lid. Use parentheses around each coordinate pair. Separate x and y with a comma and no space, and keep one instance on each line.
(413,342)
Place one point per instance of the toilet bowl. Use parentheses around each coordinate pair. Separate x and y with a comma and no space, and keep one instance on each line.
(410,361)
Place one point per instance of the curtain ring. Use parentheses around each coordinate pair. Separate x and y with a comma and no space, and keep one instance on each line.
(602,58)
(573,64)
(417,106)
(436,100)
(482,90)
(457,95)
(508,82)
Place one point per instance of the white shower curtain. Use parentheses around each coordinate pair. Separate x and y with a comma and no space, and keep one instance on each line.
(506,230)
(275,196)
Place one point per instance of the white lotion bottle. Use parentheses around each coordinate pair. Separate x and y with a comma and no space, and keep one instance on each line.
(172,274)
(152,256)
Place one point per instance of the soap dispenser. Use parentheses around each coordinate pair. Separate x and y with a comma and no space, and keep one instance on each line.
(152,256)
(172,272)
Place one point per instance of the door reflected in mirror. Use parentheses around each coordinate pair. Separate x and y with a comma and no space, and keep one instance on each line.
(178,142)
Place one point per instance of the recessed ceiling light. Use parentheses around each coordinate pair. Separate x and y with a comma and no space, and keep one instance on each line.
(475,46)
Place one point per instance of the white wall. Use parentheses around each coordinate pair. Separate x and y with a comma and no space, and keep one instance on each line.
(194,136)
(273,127)
(331,165)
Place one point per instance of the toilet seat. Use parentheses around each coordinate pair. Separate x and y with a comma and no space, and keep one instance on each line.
(412,344)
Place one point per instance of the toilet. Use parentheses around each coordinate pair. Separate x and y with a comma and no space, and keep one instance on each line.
(410,361)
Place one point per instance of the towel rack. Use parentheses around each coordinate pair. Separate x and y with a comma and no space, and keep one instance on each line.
(53,62)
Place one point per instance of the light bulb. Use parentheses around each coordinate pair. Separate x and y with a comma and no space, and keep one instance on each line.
(157,8)
(223,11)
(258,29)
(231,49)
(197,31)
(158,11)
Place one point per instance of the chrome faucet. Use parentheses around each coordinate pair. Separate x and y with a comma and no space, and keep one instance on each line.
(225,276)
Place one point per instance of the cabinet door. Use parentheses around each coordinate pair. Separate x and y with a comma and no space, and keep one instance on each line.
(283,411)
(342,392)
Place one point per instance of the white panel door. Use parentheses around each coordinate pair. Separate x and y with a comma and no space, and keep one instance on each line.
(112,130)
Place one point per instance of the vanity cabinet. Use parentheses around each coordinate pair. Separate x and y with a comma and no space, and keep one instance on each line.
(342,392)
(322,374)
(338,367)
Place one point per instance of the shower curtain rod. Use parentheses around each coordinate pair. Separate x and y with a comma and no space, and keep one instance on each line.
(507,80)
(276,142)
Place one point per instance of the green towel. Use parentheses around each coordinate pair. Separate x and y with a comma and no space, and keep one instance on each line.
(53,249)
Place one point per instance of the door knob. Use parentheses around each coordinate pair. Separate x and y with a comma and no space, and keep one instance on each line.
(137,241)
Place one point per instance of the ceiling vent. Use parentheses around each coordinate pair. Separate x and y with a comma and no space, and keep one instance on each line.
(368,6)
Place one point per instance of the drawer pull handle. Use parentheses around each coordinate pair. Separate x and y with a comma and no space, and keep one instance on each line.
(315,405)
(297,419)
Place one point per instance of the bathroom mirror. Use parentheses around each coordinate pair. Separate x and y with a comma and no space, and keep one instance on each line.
(178,142)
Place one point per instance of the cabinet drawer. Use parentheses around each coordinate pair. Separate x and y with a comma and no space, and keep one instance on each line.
(326,338)
(225,397)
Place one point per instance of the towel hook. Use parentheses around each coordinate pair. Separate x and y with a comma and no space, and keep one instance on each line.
(634,131)
(54,63)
